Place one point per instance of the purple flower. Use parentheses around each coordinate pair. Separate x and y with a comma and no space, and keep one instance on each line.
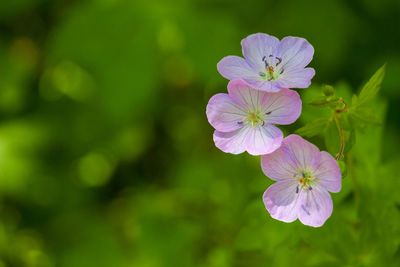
(244,118)
(304,176)
(269,64)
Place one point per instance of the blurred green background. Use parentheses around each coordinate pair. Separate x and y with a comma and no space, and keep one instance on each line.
(107,158)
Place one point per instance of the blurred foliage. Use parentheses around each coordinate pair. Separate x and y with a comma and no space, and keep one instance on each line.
(107,158)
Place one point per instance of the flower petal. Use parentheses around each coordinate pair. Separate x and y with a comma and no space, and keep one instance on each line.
(263,139)
(283,107)
(233,67)
(256,46)
(281,199)
(232,142)
(242,93)
(224,114)
(295,52)
(263,85)
(297,78)
(279,165)
(328,173)
(305,154)
(315,206)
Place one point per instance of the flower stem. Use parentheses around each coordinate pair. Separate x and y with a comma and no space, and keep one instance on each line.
(335,117)
(339,155)
(342,109)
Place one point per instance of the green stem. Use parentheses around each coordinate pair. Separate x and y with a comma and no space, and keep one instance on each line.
(339,155)
(335,117)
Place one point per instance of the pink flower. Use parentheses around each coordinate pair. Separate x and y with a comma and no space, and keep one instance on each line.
(304,176)
(244,118)
(269,64)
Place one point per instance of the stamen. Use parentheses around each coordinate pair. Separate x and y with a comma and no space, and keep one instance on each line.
(270,62)
(264,59)
(267,113)
(297,189)
(281,71)
(263,123)
(240,122)
(279,61)
(303,174)
(262,74)
(270,79)
(310,188)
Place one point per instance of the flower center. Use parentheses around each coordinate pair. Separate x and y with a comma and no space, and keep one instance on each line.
(272,71)
(255,118)
(305,180)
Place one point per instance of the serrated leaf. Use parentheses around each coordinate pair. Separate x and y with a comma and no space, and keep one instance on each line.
(314,127)
(328,90)
(372,87)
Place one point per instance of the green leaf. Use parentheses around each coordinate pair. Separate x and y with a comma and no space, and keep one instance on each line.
(372,87)
(328,90)
(314,127)
(350,140)
(362,117)
(332,138)
(354,100)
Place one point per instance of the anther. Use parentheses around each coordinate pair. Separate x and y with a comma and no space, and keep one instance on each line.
(279,61)
(281,71)
(263,123)
(310,188)
(240,122)
(270,79)
(267,113)
(270,56)
(302,174)
(264,59)
(297,189)
(262,74)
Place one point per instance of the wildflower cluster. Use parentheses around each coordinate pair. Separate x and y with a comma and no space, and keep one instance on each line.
(260,97)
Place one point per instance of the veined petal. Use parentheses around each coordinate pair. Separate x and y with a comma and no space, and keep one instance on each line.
(232,142)
(263,139)
(305,154)
(297,78)
(263,85)
(281,199)
(315,206)
(279,165)
(328,173)
(233,67)
(242,93)
(283,107)
(224,114)
(295,52)
(258,45)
